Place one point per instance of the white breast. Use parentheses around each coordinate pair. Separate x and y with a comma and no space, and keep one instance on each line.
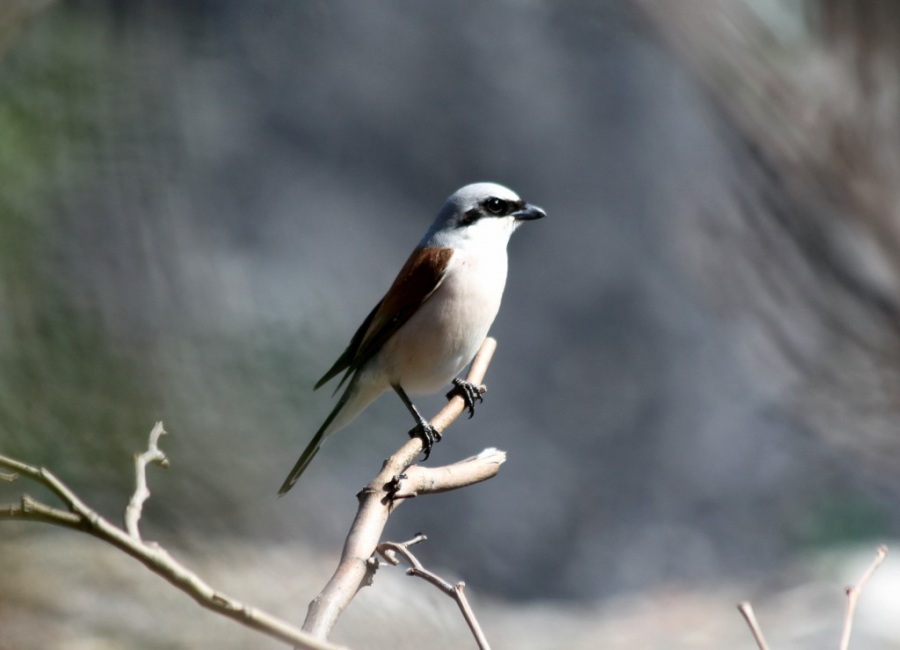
(442,337)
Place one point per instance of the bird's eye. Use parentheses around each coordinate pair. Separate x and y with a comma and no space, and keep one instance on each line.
(496,206)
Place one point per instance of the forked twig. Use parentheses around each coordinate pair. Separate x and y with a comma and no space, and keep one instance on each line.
(853,593)
(78,516)
(388,490)
(390,550)
(141,491)
(377,500)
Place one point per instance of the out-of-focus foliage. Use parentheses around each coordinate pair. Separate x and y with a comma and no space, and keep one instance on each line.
(800,242)
(62,378)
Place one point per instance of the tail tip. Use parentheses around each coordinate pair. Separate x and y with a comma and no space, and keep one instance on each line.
(286,486)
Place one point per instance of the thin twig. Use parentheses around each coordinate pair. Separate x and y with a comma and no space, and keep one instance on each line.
(79,516)
(141,491)
(746,611)
(376,502)
(390,550)
(853,593)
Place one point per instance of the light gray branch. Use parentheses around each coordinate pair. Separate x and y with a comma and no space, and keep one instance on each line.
(746,610)
(79,516)
(141,491)
(386,491)
(854,592)
(418,480)
(390,550)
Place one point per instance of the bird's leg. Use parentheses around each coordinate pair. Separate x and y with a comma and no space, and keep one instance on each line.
(469,392)
(423,430)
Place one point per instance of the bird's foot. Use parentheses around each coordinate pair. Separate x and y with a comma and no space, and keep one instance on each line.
(469,392)
(428,434)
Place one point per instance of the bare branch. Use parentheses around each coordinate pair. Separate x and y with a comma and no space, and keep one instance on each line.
(141,491)
(746,611)
(418,480)
(46,477)
(390,550)
(376,502)
(854,592)
(80,517)
(31,510)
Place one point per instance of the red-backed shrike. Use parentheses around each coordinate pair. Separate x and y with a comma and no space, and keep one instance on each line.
(435,316)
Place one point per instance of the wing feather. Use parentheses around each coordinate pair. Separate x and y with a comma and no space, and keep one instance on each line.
(420,276)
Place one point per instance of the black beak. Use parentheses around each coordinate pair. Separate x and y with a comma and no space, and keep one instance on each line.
(529,213)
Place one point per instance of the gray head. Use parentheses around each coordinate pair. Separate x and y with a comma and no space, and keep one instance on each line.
(485,213)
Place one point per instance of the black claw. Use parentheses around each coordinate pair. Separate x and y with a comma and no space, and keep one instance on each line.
(469,392)
(428,434)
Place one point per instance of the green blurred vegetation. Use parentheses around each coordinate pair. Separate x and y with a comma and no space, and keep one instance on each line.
(840,519)
(67,399)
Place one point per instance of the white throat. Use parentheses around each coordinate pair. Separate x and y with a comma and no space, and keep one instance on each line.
(485,234)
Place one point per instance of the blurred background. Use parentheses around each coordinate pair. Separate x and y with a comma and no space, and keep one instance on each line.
(699,349)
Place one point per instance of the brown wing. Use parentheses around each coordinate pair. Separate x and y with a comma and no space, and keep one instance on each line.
(420,276)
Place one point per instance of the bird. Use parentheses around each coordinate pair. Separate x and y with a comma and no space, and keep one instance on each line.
(433,318)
